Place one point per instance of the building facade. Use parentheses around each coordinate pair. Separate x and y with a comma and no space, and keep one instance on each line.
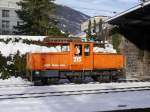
(8,16)
(101,30)
(84,25)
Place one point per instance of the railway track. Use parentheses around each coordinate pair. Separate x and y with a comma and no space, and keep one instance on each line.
(15,85)
(32,85)
(70,93)
(90,82)
(93,82)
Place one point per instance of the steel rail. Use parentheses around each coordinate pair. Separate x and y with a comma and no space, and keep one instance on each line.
(70,93)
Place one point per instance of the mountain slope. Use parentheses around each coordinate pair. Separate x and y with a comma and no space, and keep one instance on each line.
(69,19)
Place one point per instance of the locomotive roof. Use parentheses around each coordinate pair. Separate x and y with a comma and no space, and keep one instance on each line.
(62,41)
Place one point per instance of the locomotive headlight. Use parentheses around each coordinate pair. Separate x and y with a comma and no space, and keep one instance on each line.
(37,72)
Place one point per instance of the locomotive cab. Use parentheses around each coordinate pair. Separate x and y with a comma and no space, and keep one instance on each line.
(82,56)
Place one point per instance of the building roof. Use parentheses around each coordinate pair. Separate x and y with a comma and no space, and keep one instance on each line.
(138,15)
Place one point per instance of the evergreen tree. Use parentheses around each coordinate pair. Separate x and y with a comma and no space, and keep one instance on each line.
(105,34)
(4,72)
(19,67)
(100,29)
(94,26)
(89,28)
(35,16)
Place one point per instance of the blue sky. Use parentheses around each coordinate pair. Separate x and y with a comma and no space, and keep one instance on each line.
(99,7)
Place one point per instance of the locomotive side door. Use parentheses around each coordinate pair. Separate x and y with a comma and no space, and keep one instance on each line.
(76,56)
(88,56)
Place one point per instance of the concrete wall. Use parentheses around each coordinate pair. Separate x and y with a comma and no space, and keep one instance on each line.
(134,65)
(137,55)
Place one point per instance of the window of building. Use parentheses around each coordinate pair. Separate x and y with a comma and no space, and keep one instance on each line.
(5,24)
(5,32)
(5,13)
(18,23)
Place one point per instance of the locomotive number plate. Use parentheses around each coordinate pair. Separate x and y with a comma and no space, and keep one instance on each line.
(77,59)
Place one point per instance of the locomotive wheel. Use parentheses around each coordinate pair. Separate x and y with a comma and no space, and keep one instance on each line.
(53,80)
(106,78)
(44,81)
(75,79)
(97,78)
(100,78)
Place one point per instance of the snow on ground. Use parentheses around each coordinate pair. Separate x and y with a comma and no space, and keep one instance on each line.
(12,47)
(35,38)
(79,103)
(13,81)
(69,87)
(73,103)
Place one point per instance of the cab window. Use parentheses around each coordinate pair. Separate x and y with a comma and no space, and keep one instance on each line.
(78,50)
(87,50)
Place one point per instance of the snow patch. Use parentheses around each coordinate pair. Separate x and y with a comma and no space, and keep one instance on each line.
(35,38)
(13,81)
(12,47)
(107,49)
